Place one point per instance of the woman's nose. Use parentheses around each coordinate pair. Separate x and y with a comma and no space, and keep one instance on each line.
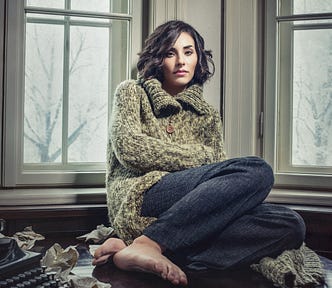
(181,61)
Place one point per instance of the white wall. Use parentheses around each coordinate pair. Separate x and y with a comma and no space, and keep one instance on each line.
(243,76)
(205,17)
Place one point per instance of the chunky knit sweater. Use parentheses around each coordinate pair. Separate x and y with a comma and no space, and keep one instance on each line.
(141,151)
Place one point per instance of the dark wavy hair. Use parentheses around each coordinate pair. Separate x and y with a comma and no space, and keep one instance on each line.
(158,44)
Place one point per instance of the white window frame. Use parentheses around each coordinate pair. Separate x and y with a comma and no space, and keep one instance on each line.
(249,102)
(13,174)
(302,180)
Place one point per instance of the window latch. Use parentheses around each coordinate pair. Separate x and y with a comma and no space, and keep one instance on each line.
(261,125)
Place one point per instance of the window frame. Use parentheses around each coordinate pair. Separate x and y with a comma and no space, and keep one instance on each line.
(275,112)
(13,174)
(249,77)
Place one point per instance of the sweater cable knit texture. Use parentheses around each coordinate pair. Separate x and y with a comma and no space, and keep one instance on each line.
(140,151)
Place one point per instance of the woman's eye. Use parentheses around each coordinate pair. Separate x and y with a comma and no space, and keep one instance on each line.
(170,54)
(189,52)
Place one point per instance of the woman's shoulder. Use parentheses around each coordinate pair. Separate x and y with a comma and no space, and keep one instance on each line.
(126,84)
(129,88)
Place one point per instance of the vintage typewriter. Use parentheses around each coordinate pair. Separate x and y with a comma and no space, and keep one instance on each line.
(22,269)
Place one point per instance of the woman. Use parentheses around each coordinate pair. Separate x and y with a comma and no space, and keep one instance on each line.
(174,200)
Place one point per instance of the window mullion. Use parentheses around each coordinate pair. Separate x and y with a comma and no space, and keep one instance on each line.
(65,100)
(304,17)
(52,11)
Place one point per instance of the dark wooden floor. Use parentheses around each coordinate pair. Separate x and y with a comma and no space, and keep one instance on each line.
(62,224)
(234,279)
(241,278)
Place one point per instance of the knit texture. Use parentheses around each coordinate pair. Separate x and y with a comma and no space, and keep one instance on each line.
(140,151)
(293,268)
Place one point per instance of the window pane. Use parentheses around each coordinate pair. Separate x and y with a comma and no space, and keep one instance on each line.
(67,89)
(312,98)
(106,6)
(60,4)
(290,7)
(312,6)
(103,6)
(43,93)
(88,94)
(91,5)
(72,66)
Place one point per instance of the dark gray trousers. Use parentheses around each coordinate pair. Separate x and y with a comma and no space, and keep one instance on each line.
(213,216)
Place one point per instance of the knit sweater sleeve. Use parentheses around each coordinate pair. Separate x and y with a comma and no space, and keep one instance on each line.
(141,152)
(214,137)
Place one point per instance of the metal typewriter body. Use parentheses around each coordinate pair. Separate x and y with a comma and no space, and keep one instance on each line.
(21,269)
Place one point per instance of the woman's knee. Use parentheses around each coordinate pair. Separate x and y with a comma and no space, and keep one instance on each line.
(263,171)
(259,171)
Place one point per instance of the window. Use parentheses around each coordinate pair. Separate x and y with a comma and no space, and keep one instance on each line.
(63,61)
(298,138)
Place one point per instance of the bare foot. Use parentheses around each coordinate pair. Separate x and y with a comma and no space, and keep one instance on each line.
(145,255)
(107,249)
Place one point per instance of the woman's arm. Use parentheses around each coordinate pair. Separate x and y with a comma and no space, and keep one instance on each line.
(144,153)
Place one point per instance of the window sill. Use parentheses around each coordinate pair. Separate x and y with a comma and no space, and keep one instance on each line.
(52,196)
(71,196)
(300,197)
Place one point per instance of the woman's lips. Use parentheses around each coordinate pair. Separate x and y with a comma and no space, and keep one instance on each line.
(181,72)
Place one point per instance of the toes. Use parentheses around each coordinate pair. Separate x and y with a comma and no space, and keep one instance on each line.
(98,252)
(170,272)
(109,248)
(101,254)
(100,260)
(183,279)
(173,275)
(161,269)
(141,257)
(176,276)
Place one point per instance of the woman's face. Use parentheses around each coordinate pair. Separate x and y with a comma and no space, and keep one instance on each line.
(179,64)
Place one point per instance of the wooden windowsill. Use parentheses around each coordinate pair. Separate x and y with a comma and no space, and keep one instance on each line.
(312,200)
(52,196)
(301,197)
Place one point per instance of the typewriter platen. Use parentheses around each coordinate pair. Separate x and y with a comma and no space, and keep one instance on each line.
(21,269)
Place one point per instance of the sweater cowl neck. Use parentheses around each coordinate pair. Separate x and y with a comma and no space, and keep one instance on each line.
(164,104)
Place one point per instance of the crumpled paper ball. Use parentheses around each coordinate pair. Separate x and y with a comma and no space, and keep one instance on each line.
(26,239)
(93,248)
(60,260)
(100,234)
(86,282)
